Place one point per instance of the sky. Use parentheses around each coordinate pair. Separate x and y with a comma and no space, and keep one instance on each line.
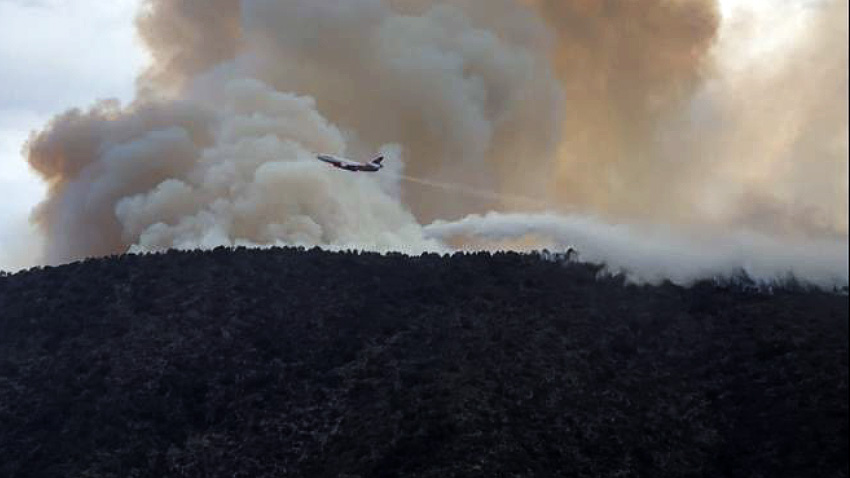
(61,54)
(54,55)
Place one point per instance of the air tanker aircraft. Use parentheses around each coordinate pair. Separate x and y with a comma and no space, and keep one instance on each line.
(348,165)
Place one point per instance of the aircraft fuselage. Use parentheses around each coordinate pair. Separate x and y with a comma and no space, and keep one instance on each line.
(354,166)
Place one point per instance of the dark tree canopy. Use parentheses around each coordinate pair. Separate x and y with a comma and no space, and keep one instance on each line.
(289,362)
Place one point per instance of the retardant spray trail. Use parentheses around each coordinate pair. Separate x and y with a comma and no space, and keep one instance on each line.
(462,189)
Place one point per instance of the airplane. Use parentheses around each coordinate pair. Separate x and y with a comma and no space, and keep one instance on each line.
(348,165)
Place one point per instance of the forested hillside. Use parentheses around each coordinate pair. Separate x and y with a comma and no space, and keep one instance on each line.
(285,362)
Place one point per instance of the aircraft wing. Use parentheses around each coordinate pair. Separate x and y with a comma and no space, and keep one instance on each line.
(328,159)
(336,161)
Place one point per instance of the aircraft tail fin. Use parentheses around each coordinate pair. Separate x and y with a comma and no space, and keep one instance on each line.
(378,160)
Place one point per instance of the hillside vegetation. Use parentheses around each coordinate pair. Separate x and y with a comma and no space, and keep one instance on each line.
(285,362)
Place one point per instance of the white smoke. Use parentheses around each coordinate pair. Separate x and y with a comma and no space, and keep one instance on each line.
(258,183)
(653,254)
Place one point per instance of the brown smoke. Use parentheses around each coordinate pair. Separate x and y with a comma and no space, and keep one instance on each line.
(186,38)
(463,99)
(465,96)
(624,109)
(662,125)
(626,66)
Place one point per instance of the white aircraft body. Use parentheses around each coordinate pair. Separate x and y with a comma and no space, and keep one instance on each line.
(348,165)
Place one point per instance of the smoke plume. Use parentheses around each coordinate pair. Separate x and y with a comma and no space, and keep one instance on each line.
(654,255)
(631,112)
(626,67)
(239,171)
(770,136)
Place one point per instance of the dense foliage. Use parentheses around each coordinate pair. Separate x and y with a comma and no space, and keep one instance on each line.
(285,362)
